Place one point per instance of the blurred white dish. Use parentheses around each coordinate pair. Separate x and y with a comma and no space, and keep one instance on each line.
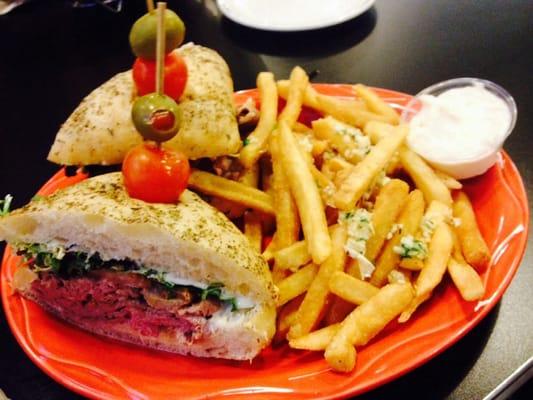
(292,15)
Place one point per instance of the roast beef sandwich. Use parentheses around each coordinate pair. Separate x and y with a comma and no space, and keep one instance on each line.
(175,277)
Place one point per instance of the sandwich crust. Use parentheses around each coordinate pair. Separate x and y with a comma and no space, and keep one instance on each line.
(100,130)
(191,239)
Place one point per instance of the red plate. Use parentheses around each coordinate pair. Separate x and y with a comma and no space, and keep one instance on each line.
(105,369)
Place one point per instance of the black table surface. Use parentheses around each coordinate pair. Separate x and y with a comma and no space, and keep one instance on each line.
(52,55)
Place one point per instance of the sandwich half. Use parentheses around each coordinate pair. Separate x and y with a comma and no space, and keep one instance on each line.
(179,278)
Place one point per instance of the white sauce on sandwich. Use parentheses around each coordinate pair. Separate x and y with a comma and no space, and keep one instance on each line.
(241,301)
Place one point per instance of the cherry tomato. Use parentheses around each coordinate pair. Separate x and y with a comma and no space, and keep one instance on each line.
(155,175)
(174,80)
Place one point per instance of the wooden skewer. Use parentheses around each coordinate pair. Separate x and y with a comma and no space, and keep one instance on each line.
(150,5)
(160,47)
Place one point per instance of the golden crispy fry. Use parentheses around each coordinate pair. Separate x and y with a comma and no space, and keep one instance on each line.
(287,219)
(311,309)
(316,340)
(378,130)
(436,214)
(474,248)
(310,94)
(337,164)
(411,308)
(287,316)
(258,139)
(365,322)
(351,289)
(268,253)
(440,249)
(252,220)
(252,229)
(412,264)
(376,104)
(449,181)
(296,284)
(363,174)
(351,112)
(300,128)
(424,177)
(293,256)
(408,221)
(389,203)
(399,276)
(230,190)
(466,279)
(306,195)
(298,82)
(342,137)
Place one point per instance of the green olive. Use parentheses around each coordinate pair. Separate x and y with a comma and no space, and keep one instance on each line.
(156,117)
(143,34)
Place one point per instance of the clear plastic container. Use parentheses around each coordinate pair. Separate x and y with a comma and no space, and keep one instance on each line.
(469,167)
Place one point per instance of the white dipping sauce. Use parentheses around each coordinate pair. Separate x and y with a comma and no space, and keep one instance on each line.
(458,127)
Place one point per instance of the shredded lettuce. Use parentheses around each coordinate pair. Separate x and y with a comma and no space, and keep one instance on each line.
(75,263)
(5,205)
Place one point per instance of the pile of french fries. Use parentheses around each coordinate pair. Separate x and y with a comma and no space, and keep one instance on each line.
(363,229)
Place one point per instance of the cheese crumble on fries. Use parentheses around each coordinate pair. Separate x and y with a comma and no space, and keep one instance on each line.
(362,228)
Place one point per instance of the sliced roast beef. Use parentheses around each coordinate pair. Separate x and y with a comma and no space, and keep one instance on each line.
(125,297)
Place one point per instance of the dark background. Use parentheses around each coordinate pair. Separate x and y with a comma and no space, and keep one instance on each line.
(52,55)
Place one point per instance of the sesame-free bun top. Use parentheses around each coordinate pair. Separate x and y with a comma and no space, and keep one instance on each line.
(191,238)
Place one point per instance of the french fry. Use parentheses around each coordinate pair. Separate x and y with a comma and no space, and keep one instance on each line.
(306,195)
(351,112)
(342,138)
(378,130)
(399,276)
(286,317)
(268,253)
(298,127)
(449,181)
(298,82)
(337,164)
(388,205)
(436,214)
(424,177)
(296,284)
(311,309)
(411,308)
(474,248)
(258,139)
(310,94)
(440,249)
(287,219)
(465,278)
(293,256)
(252,229)
(230,190)
(409,221)
(316,340)
(252,220)
(376,104)
(351,289)
(365,322)
(362,175)
(412,264)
